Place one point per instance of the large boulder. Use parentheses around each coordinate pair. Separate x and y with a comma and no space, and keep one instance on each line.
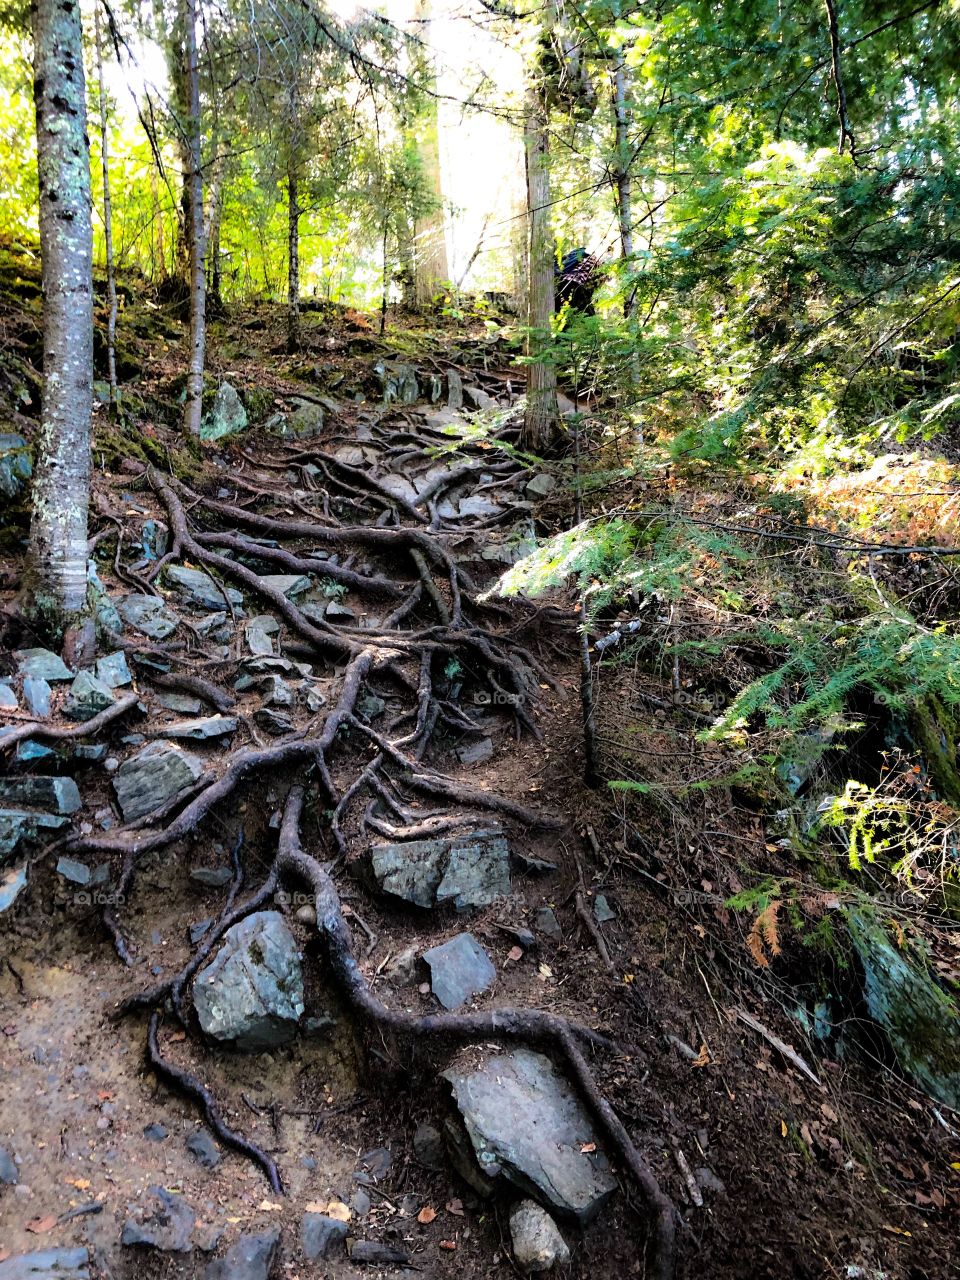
(251,992)
(527,1125)
(227,416)
(153,776)
(398,382)
(468,871)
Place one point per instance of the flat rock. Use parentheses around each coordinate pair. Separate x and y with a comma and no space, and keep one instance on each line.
(251,992)
(199,730)
(213,877)
(477,398)
(322,1237)
(36,694)
(273,722)
(258,642)
(602,911)
(373,1253)
(250,1258)
(469,871)
(9,1173)
(537,1243)
(60,1264)
(73,871)
(527,1125)
(12,882)
(8,699)
(477,505)
(59,795)
(149,615)
(88,696)
(42,664)
(459,969)
(288,584)
(476,752)
(203,1149)
(112,670)
(200,588)
(162,1221)
(24,826)
(183,703)
(152,777)
(540,485)
(399,487)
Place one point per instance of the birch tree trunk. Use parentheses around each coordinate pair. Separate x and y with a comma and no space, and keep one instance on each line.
(56,586)
(196,233)
(542,415)
(107,220)
(622,121)
(293,256)
(431,268)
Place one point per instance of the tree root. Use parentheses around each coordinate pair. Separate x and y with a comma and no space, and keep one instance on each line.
(66,733)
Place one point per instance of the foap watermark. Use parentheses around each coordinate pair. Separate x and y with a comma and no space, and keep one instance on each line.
(99,898)
(286,898)
(499,698)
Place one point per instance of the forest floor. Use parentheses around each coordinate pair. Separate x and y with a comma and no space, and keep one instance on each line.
(775,1170)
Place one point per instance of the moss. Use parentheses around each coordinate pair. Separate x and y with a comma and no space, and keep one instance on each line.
(934,729)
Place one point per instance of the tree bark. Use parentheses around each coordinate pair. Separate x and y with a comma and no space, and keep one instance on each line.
(214,219)
(293,256)
(196,232)
(57,576)
(107,221)
(431,266)
(622,120)
(542,414)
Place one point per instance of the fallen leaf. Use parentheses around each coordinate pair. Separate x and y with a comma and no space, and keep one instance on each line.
(587,1148)
(267,1206)
(338,1210)
(315,1206)
(39,1225)
(4,1254)
(104,1095)
(426,1215)
(455,1206)
(448,1244)
(515,953)
(783,1129)
(82,1184)
(177,1037)
(545,971)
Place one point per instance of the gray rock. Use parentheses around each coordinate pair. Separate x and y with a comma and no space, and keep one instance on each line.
(227,416)
(399,487)
(307,419)
(180,702)
(59,1264)
(360,1203)
(322,1237)
(112,670)
(477,398)
(156,1132)
(541,485)
(370,707)
(90,751)
(338,611)
(602,910)
(8,699)
(258,642)
(454,389)
(162,1221)
(475,752)
(469,871)
(459,969)
(373,1253)
(273,722)
(199,730)
(280,694)
(288,584)
(708,1180)
(266,622)
(250,1258)
(9,1173)
(88,696)
(213,877)
(476,505)
(36,694)
(75,872)
(547,922)
(537,1242)
(41,664)
(428,1146)
(402,969)
(12,883)
(28,751)
(377,1163)
(60,795)
(203,1148)
(196,931)
(398,382)
(20,826)
(152,777)
(200,588)
(16,465)
(251,993)
(527,1125)
(149,615)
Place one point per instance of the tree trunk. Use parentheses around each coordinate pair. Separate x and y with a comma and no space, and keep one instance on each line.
(193,184)
(214,218)
(386,282)
(622,120)
(107,221)
(293,257)
(431,267)
(57,576)
(542,415)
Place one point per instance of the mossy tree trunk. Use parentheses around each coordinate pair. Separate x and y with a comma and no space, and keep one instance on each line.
(57,578)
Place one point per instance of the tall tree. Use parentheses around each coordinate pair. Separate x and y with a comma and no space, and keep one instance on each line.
(196,231)
(542,413)
(431,266)
(107,217)
(57,580)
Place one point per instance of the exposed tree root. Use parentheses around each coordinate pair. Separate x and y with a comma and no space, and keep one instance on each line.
(65,733)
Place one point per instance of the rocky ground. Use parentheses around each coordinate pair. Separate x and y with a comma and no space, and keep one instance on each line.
(312,961)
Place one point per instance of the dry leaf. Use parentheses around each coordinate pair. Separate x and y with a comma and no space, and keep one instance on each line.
(39,1225)
(82,1184)
(587,1148)
(448,1244)
(545,971)
(267,1206)
(515,953)
(338,1210)
(4,1254)
(426,1215)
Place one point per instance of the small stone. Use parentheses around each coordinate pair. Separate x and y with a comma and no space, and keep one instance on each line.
(12,882)
(360,1203)
(428,1146)
(203,1148)
(59,795)
(180,702)
(196,931)
(217,726)
(28,752)
(537,1243)
(470,871)
(9,1173)
(8,699)
(41,664)
(602,910)
(75,872)
(212,877)
(94,751)
(88,696)
(162,1221)
(370,706)
(280,694)
(251,1258)
(538,866)
(477,398)
(459,969)
(402,969)
(152,777)
(258,642)
(373,1253)
(201,588)
(149,615)
(111,764)
(541,485)
(155,1132)
(708,1180)
(112,670)
(265,622)
(273,722)
(377,1163)
(547,922)
(36,694)
(306,914)
(475,752)
(322,1237)
(288,584)
(57,1264)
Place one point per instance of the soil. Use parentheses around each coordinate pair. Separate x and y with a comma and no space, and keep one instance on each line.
(773,1175)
